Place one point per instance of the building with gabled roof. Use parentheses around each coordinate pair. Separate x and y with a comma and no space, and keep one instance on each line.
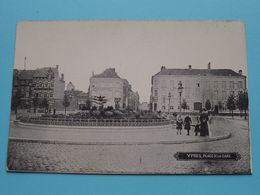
(116,90)
(199,85)
(40,83)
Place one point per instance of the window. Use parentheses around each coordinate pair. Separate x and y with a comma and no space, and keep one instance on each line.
(164,99)
(155,83)
(224,84)
(172,84)
(215,84)
(224,95)
(155,92)
(198,84)
(216,94)
(163,84)
(155,107)
(231,84)
(239,84)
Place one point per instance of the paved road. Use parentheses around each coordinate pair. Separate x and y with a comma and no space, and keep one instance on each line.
(152,158)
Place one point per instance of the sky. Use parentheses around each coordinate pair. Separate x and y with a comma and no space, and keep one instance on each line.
(136,49)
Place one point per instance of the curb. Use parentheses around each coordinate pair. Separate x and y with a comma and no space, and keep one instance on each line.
(207,139)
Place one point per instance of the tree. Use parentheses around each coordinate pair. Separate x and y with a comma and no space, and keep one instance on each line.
(220,105)
(242,102)
(117,100)
(231,104)
(35,103)
(184,105)
(208,105)
(45,104)
(66,102)
(16,101)
(99,100)
(88,104)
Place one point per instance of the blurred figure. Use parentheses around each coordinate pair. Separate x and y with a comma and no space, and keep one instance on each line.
(187,123)
(179,123)
(204,127)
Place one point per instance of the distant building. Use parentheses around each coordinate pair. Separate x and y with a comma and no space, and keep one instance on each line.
(133,100)
(116,90)
(70,86)
(78,99)
(144,106)
(41,83)
(199,85)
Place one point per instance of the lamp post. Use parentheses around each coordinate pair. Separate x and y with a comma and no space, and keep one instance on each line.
(180,90)
(169,96)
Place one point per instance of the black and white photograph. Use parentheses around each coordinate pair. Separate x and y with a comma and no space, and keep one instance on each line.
(130,97)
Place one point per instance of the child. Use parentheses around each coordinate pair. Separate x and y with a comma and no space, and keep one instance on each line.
(197,128)
(187,124)
(179,123)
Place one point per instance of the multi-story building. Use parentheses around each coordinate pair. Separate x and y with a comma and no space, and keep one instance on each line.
(144,106)
(114,89)
(199,85)
(41,83)
(78,99)
(133,101)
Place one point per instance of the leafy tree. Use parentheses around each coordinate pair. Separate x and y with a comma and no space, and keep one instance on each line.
(242,102)
(45,104)
(231,104)
(184,105)
(220,105)
(66,102)
(99,100)
(16,101)
(88,104)
(117,105)
(208,105)
(36,102)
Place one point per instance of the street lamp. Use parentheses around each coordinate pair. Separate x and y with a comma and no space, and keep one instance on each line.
(169,96)
(180,90)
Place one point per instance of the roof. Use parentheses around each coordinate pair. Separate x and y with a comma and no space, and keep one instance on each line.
(213,72)
(42,72)
(26,74)
(108,73)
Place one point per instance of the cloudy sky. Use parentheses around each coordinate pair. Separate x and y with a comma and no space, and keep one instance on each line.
(137,49)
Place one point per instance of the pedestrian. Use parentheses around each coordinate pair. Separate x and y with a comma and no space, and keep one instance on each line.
(197,127)
(179,123)
(204,128)
(187,123)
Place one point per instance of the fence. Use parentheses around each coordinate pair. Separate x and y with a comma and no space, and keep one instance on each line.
(95,122)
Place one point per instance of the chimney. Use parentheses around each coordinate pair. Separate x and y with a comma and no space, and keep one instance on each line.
(62,77)
(209,65)
(57,67)
(162,67)
(240,72)
(189,67)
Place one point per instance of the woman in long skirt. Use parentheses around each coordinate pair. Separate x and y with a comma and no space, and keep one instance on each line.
(204,128)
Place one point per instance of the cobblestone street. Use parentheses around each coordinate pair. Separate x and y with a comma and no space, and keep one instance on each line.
(150,158)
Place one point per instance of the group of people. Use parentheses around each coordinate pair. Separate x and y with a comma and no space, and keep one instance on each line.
(201,127)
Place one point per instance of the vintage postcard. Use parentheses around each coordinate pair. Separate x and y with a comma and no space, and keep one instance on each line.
(130,97)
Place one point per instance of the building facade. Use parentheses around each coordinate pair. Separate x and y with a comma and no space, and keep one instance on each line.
(42,83)
(115,90)
(78,99)
(199,85)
